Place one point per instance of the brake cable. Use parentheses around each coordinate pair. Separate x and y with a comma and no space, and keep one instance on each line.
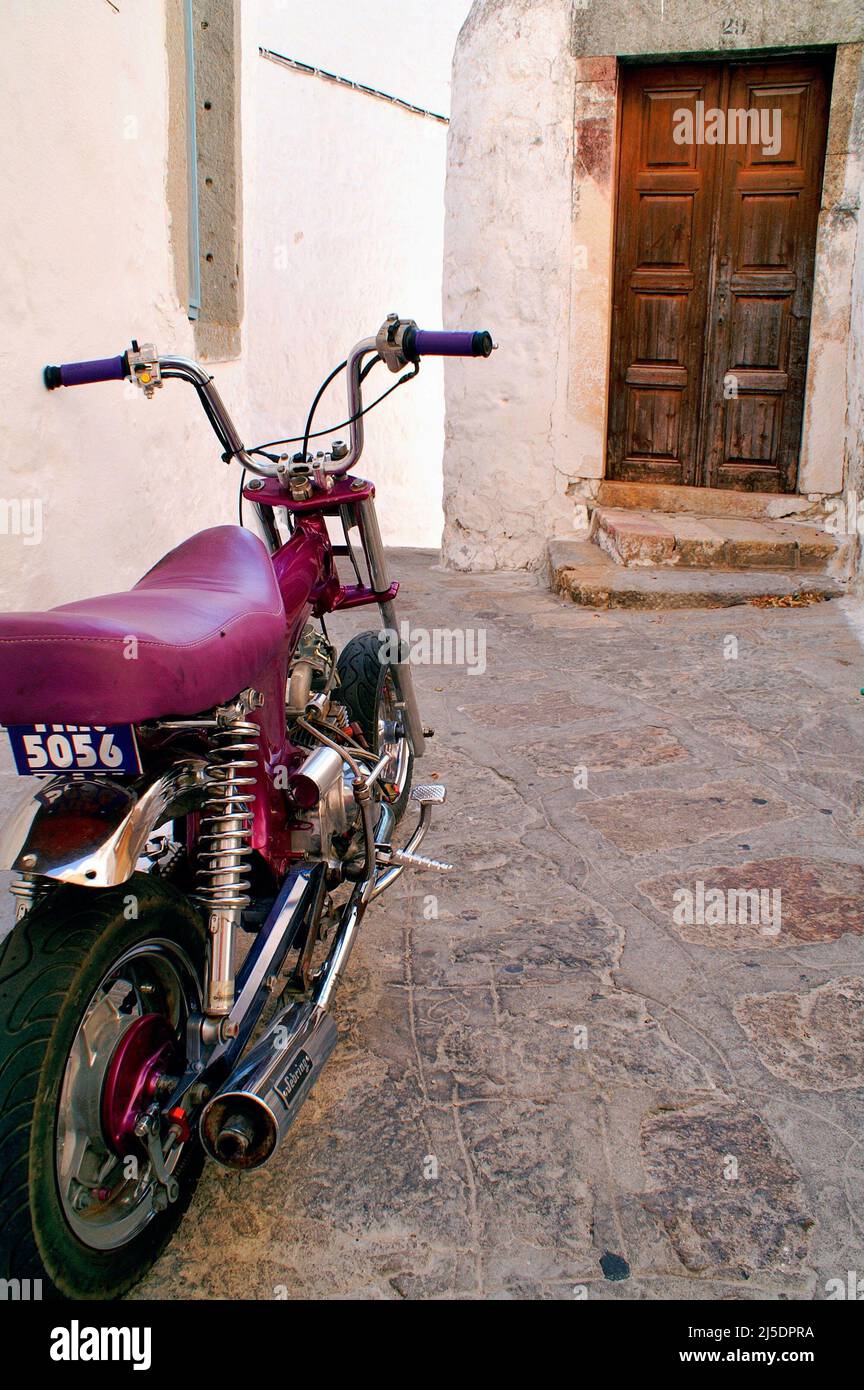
(299,438)
(308,434)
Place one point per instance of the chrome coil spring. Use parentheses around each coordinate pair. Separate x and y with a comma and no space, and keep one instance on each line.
(225,838)
(28,891)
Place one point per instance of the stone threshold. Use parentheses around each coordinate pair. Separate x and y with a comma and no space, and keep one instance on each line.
(585,574)
(701,501)
(688,540)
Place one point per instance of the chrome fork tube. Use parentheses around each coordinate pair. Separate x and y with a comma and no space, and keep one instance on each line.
(379,574)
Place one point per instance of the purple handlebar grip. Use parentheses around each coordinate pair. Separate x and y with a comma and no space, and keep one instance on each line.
(85,373)
(102,369)
(428,343)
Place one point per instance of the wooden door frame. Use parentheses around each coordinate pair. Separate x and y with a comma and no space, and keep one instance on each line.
(728,58)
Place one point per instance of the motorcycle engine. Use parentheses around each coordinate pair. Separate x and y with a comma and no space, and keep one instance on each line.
(323,786)
(311,673)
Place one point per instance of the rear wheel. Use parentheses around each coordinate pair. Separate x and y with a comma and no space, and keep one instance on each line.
(95,993)
(367,689)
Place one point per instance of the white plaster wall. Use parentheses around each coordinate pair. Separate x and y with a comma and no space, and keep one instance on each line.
(855,368)
(344,221)
(86,267)
(508,266)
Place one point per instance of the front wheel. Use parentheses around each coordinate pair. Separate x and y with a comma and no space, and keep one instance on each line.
(367,689)
(95,992)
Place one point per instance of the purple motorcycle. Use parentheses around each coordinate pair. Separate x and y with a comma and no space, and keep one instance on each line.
(201,763)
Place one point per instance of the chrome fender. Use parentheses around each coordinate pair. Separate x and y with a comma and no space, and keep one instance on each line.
(93,831)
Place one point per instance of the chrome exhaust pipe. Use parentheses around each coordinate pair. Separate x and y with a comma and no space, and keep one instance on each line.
(243,1123)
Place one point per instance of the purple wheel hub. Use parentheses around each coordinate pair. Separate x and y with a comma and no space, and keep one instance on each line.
(146,1051)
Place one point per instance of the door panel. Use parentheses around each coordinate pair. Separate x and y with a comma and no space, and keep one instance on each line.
(713,273)
(665,194)
(765,241)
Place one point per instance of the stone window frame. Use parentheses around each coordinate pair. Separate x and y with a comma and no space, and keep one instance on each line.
(215,26)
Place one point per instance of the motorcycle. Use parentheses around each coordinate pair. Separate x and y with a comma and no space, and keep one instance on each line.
(204,767)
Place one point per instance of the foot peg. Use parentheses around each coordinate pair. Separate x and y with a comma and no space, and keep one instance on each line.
(392,861)
(387,855)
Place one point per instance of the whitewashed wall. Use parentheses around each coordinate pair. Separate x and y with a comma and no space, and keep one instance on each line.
(344,222)
(86,267)
(343,215)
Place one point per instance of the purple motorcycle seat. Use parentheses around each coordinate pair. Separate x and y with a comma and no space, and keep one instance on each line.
(206,620)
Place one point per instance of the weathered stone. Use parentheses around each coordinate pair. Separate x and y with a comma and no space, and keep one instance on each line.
(548,708)
(633,538)
(616,750)
(529,1184)
(819,899)
(726,1195)
(667,818)
(812,1039)
(588,576)
(690,540)
(626,1046)
(703,501)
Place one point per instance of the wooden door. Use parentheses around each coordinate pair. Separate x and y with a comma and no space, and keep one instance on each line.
(713,271)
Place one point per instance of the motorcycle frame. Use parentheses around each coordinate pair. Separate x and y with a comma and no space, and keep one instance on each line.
(305,569)
(310,586)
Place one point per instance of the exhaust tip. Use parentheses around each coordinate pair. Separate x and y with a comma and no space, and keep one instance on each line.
(235,1139)
(242,1125)
(238,1131)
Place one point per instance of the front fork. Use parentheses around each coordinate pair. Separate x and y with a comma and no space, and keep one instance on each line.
(362,514)
(379,574)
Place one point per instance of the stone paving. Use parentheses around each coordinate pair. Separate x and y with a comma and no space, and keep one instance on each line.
(574,1067)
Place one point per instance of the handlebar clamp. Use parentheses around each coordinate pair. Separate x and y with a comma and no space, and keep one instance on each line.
(144,369)
(390,342)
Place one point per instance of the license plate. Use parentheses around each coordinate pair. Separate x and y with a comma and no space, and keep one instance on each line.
(74,748)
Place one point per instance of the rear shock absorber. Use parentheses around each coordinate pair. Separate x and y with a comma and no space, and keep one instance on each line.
(28,891)
(225,841)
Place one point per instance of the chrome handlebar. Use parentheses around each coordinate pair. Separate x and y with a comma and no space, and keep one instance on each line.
(355,404)
(397,343)
(184,369)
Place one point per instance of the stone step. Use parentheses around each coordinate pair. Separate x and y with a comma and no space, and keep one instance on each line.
(703,501)
(690,541)
(585,574)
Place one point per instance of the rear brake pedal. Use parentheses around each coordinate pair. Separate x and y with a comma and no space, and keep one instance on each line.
(429,794)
